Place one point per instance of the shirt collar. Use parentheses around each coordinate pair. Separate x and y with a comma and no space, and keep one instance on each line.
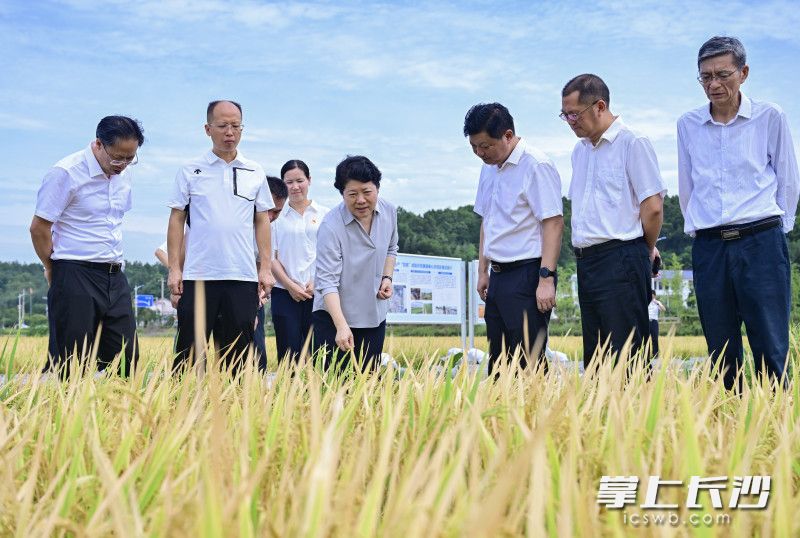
(91,162)
(212,157)
(610,134)
(515,155)
(313,206)
(745,109)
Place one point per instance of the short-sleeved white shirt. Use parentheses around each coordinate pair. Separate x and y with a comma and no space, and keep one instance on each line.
(609,183)
(513,199)
(294,239)
(85,207)
(224,198)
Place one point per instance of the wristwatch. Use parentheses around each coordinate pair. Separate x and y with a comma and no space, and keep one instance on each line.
(544,272)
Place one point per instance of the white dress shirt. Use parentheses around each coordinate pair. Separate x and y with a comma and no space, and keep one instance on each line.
(85,207)
(294,239)
(609,183)
(652,310)
(513,199)
(223,197)
(350,262)
(738,172)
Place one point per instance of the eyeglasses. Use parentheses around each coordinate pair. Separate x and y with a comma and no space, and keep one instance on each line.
(226,126)
(722,76)
(573,116)
(121,162)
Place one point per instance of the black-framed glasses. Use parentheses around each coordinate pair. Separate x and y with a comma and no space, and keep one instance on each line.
(226,126)
(573,116)
(706,78)
(121,162)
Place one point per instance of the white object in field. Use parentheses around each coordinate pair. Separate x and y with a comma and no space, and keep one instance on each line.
(555,356)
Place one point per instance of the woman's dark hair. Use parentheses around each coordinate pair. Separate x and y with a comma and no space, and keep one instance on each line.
(295,163)
(356,167)
(113,128)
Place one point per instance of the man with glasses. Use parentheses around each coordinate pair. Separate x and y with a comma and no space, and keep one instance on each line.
(519,202)
(617,198)
(738,183)
(230,201)
(77,234)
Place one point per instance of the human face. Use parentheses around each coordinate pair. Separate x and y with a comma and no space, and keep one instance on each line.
(114,158)
(360,198)
(492,150)
(276,211)
(587,123)
(722,93)
(297,183)
(224,136)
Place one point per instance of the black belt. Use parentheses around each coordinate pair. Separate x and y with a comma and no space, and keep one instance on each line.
(109,268)
(737,231)
(585,252)
(499,267)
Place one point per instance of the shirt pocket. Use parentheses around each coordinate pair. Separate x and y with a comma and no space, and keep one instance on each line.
(246,183)
(609,184)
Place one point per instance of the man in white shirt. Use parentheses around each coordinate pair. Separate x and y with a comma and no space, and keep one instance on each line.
(224,189)
(77,234)
(738,183)
(519,201)
(617,198)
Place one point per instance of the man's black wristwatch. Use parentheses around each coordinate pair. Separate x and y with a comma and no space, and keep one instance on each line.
(544,272)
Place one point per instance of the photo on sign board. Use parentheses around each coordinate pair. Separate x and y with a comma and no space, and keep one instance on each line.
(397,302)
(421,307)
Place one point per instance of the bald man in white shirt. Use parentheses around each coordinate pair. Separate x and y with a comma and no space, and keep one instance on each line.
(738,183)
(77,234)
(519,201)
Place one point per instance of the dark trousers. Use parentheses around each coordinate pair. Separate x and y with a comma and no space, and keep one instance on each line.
(259,340)
(613,292)
(230,310)
(292,321)
(744,280)
(513,320)
(79,300)
(654,336)
(368,343)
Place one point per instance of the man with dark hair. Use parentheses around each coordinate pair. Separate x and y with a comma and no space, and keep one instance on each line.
(77,234)
(617,198)
(738,184)
(224,189)
(519,201)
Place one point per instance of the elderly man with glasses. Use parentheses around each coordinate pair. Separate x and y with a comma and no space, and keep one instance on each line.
(738,183)
(617,198)
(77,234)
(230,202)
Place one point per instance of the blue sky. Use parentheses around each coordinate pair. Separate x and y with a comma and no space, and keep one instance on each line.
(320,80)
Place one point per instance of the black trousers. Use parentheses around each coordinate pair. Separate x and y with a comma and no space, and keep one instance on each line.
(81,298)
(654,335)
(512,318)
(368,343)
(230,310)
(292,321)
(613,292)
(744,280)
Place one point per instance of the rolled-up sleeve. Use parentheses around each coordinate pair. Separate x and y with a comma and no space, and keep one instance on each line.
(393,242)
(329,260)
(54,194)
(180,192)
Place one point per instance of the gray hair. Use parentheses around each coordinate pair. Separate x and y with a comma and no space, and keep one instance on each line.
(720,46)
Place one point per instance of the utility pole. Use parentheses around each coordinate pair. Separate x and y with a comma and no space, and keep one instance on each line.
(162,288)
(21,308)
(30,294)
(136,303)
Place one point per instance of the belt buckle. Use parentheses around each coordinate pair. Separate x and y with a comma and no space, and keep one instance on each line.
(496,268)
(730,235)
(579,252)
(114,268)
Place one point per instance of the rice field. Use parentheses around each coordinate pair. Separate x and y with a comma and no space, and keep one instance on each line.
(307,453)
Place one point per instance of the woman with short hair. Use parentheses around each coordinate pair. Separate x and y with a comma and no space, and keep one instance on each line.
(356,254)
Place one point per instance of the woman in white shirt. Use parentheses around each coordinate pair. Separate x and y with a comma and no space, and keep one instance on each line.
(652,311)
(294,239)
